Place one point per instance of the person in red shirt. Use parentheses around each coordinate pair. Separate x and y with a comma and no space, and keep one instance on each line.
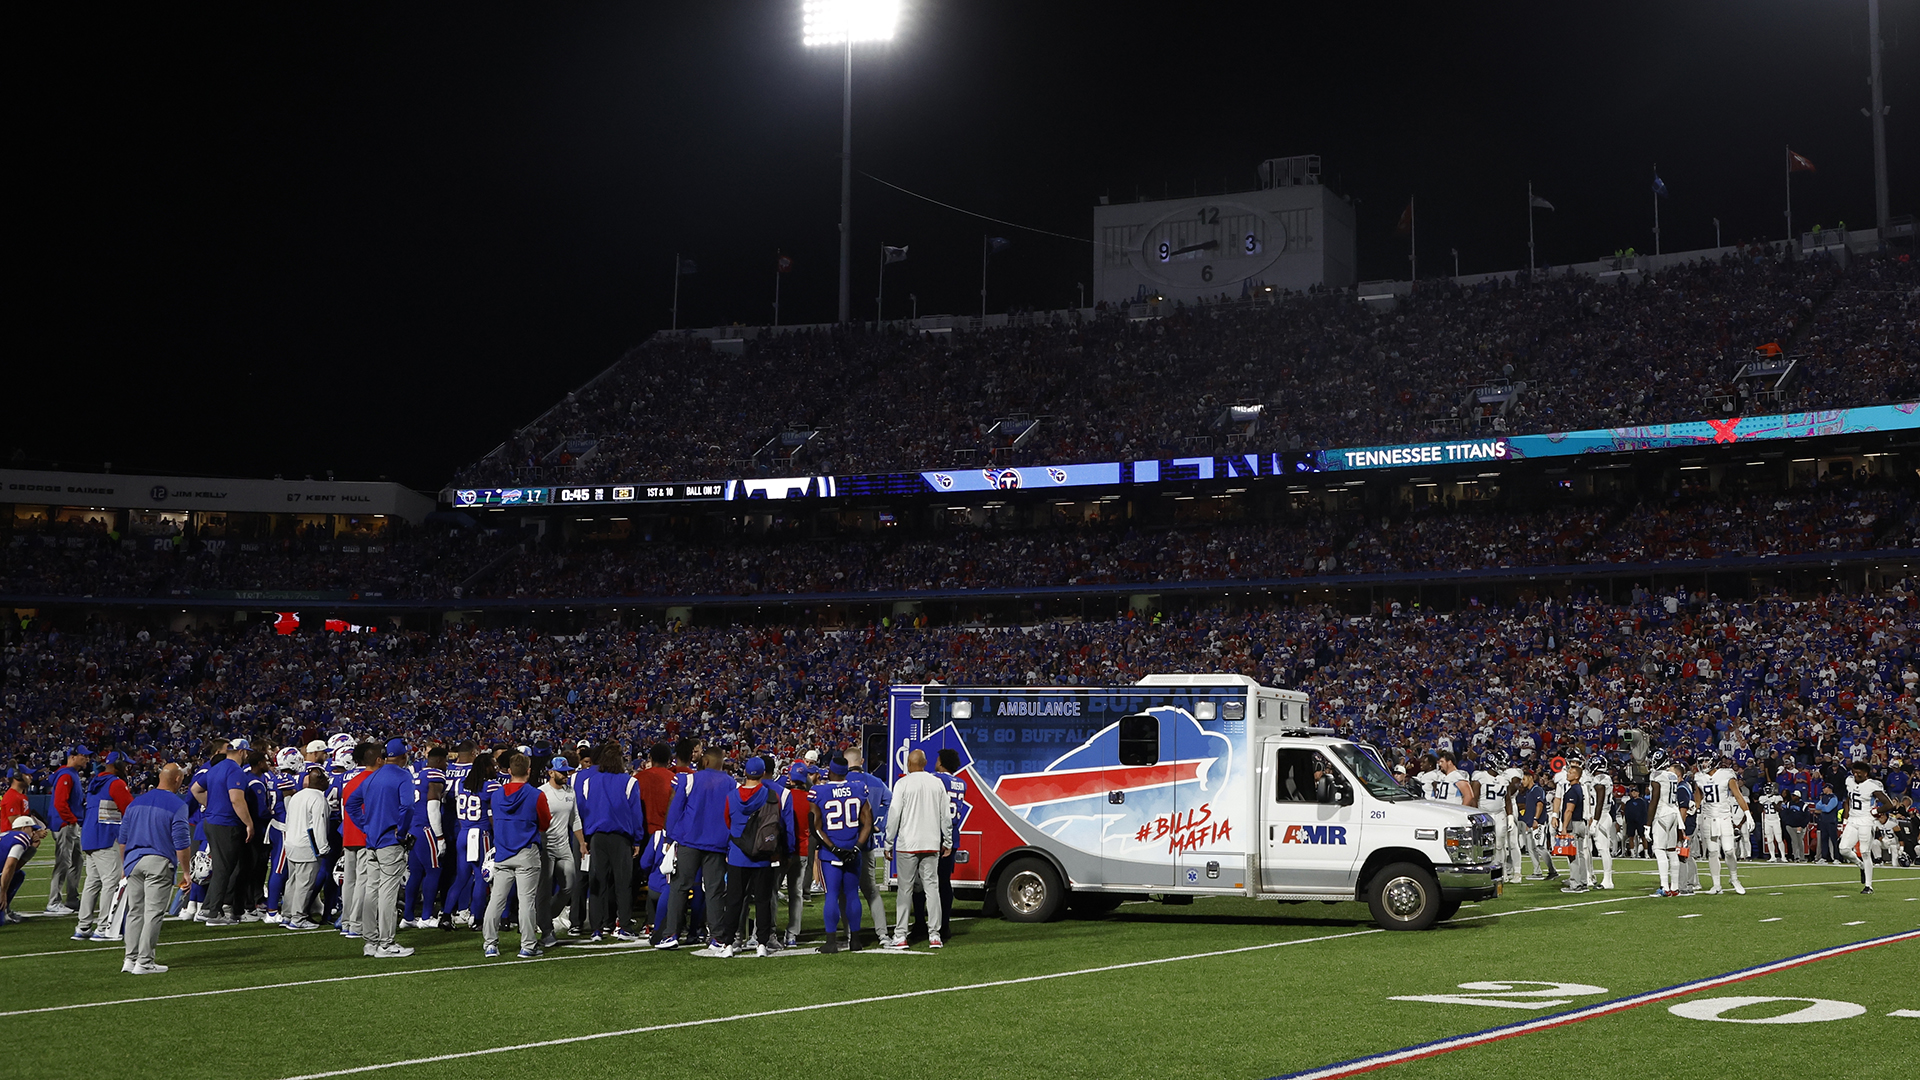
(13,803)
(366,757)
(794,872)
(656,788)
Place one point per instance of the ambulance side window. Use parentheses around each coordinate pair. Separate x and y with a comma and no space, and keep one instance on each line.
(1140,740)
(1293,776)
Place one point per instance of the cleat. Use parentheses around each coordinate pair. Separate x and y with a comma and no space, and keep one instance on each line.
(934,942)
(272,918)
(853,943)
(763,950)
(1739,889)
(725,952)
(149,968)
(594,940)
(667,944)
(222,920)
(1715,891)
(490,952)
(529,954)
(622,935)
(393,952)
(832,944)
(83,935)
(1866,889)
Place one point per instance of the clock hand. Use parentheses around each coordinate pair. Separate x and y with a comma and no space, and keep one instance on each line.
(1204,245)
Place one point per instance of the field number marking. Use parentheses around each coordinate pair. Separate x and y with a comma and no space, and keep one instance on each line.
(1506,994)
(1816,1010)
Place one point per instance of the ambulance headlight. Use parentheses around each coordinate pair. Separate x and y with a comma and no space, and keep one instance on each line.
(1460,844)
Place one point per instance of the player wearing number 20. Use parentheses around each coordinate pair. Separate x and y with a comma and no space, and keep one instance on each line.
(842,825)
(1856,838)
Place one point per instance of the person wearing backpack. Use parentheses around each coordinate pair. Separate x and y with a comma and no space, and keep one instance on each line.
(760,825)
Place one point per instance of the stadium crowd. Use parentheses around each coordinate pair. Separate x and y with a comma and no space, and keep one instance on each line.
(1578,353)
(1791,692)
(440,563)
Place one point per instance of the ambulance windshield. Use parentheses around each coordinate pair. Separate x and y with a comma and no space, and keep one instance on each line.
(1377,781)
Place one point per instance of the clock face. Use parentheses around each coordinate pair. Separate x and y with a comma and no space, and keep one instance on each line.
(1208,247)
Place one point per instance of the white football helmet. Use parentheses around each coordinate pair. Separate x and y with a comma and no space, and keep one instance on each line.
(343,759)
(338,741)
(289,759)
(200,867)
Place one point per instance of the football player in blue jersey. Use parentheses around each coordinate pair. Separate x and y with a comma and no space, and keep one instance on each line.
(468,898)
(289,765)
(878,797)
(456,777)
(842,827)
(423,857)
(196,813)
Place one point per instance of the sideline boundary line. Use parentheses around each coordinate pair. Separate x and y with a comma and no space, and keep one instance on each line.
(1355,1066)
(120,947)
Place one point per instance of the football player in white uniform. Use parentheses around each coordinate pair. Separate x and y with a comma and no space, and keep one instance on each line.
(1721,804)
(1864,796)
(1599,781)
(1772,838)
(1429,779)
(1664,814)
(1490,783)
(1454,786)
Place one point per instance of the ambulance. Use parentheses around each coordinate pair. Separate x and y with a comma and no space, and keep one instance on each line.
(1180,786)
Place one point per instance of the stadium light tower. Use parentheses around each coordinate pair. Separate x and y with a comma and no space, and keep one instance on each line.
(826,23)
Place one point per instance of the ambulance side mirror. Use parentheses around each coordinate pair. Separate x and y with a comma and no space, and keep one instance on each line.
(1342,791)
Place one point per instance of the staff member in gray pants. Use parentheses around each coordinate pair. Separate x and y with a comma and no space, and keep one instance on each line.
(306,848)
(382,808)
(153,854)
(1573,819)
(920,832)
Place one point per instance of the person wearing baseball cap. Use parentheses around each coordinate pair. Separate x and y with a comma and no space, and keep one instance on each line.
(561,879)
(793,876)
(13,802)
(381,806)
(315,753)
(69,805)
(107,798)
(229,827)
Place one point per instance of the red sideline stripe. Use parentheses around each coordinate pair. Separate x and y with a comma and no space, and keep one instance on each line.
(1045,787)
(1574,1016)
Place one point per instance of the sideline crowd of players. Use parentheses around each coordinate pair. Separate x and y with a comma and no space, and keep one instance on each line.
(1575,807)
(370,839)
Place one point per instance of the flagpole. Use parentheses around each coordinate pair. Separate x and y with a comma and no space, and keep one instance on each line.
(1413,237)
(1529,229)
(1789,196)
(880,297)
(676,291)
(776,286)
(984,241)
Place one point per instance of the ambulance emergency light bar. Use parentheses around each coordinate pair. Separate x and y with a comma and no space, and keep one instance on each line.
(1288,464)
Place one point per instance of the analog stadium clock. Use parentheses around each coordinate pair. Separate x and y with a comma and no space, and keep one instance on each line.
(1208,247)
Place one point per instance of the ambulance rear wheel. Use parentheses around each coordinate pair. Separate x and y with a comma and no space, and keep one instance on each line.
(1404,896)
(1030,891)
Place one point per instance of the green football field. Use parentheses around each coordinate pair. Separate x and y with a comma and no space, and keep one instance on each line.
(1222,988)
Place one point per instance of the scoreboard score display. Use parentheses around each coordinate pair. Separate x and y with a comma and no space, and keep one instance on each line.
(1291,234)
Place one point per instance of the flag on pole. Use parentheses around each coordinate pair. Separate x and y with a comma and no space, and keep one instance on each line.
(892,254)
(1541,203)
(782,264)
(1659,186)
(688,266)
(1797,162)
(995,245)
(1406,220)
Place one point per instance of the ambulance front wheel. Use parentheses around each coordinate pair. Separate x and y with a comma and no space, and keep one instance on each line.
(1404,896)
(1030,891)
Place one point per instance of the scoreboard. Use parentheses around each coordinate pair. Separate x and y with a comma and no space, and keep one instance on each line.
(1291,233)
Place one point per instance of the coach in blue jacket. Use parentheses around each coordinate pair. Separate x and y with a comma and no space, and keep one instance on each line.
(152,842)
(615,822)
(697,826)
(382,807)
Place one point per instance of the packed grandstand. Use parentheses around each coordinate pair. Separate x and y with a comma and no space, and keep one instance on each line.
(1751,597)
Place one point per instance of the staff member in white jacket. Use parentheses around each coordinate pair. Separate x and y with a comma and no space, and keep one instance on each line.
(306,848)
(920,833)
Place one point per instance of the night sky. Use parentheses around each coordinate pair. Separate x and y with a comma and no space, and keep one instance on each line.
(374,238)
